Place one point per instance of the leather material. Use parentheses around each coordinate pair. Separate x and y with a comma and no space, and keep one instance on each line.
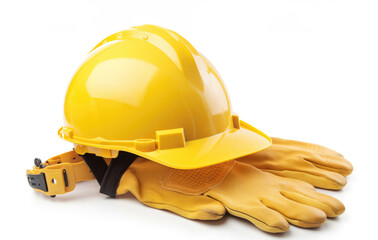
(270,202)
(315,164)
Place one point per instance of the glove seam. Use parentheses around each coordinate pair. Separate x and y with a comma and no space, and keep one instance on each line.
(256,219)
(294,171)
(322,165)
(164,204)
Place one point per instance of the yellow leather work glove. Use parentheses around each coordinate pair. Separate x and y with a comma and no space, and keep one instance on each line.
(315,164)
(268,201)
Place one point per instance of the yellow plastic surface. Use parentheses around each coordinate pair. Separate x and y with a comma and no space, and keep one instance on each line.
(148,79)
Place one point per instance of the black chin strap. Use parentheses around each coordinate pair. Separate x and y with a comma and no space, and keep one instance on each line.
(97,165)
(109,176)
(116,169)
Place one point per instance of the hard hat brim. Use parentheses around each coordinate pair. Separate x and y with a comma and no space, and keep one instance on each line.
(203,152)
(212,150)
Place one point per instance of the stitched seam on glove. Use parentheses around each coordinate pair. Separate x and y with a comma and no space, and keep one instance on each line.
(322,165)
(184,210)
(242,213)
(299,172)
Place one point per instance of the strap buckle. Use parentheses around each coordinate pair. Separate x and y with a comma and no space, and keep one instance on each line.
(59,174)
(50,180)
(37,181)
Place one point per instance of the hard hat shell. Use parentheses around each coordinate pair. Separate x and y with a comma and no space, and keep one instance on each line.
(147,91)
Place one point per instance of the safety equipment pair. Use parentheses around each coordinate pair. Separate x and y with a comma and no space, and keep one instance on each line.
(267,200)
(145,104)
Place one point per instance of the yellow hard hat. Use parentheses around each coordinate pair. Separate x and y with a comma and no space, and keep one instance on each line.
(147,91)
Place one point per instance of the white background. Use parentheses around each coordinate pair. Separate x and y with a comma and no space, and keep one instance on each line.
(304,70)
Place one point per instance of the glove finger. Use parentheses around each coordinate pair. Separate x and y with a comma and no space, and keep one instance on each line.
(321,156)
(296,213)
(330,205)
(317,177)
(331,163)
(262,217)
(299,168)
(305,146)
